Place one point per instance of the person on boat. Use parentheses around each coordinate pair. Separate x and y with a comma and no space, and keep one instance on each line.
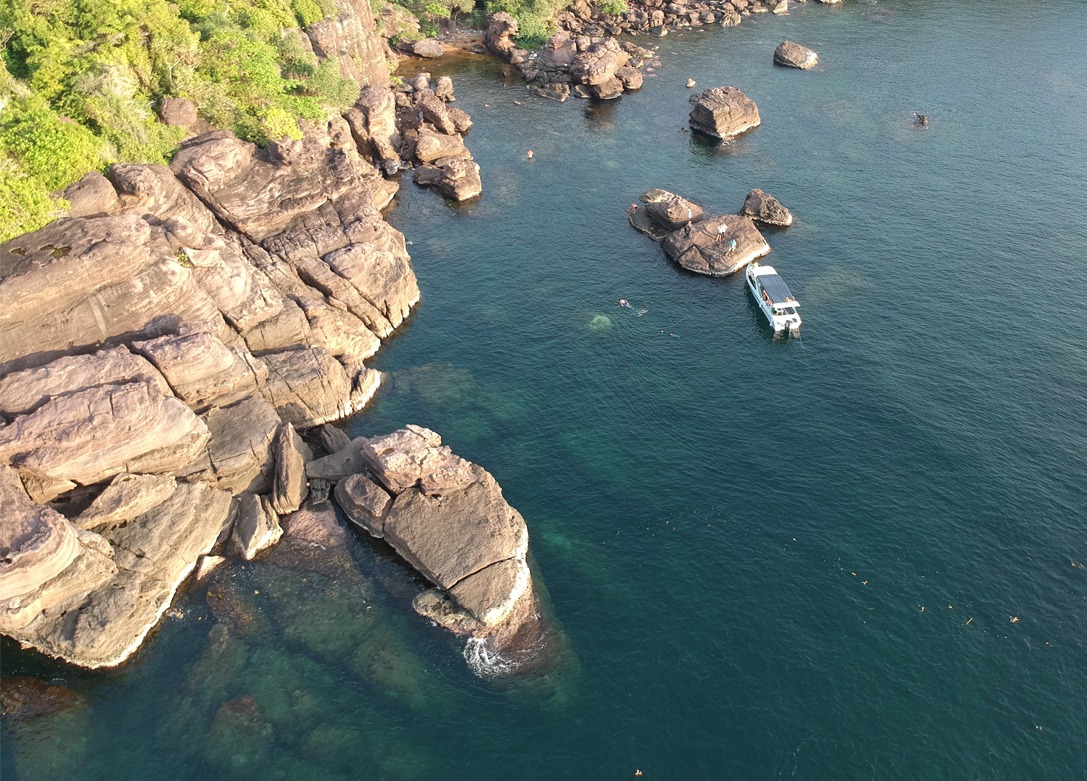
(624,302)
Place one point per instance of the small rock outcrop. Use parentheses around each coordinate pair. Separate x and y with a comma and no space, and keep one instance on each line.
(765,208)
(712,245)
(793,55)
(447,518)
(433,140)
(596,66)
(724,112)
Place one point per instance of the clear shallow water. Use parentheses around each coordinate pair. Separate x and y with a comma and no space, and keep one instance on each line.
(737,534)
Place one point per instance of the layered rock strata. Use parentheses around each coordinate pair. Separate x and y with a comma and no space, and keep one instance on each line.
(716,245)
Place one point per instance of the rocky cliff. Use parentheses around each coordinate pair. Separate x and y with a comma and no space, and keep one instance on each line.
(160,346)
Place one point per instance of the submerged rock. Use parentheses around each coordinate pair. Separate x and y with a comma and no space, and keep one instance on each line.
(240,737)
(23,698)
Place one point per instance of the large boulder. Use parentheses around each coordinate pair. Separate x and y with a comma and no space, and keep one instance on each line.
(177,112)
(765,208)
(415,457)
(598,63)
(447,518)
(91,196)
(291,486)
(500,34)
(707,247)
(793,55)
(364,502)
(428,47)
(724,112)
(256,526)
(452,535)
(432,146)
(456,178)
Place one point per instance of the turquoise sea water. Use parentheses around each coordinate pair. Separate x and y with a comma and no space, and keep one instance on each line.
(768,558)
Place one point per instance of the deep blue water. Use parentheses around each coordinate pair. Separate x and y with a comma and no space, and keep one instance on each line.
(769,558)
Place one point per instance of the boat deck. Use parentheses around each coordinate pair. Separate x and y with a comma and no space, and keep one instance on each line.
(775,288)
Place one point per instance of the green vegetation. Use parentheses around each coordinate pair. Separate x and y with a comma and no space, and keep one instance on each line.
(79,80)
(535,18)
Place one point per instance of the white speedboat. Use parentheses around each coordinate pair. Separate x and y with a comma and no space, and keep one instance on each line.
(774,299)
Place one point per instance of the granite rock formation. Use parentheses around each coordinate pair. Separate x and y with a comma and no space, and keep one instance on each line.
(152,347)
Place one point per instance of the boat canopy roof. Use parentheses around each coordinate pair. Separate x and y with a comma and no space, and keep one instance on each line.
(776,289)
